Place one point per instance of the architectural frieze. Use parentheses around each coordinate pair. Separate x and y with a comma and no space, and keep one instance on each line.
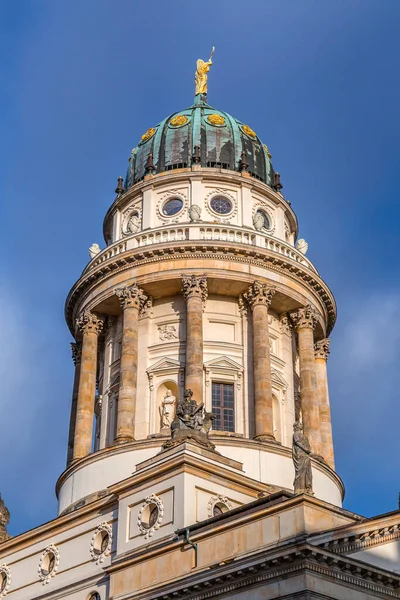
(243,254)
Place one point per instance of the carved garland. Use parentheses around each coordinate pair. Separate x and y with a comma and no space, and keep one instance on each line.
(5,580)
(214,500)
(221,192)
(102,532)
(46,575)
(177,193)
(147,530)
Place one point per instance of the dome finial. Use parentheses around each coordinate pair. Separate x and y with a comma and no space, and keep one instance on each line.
(200,77)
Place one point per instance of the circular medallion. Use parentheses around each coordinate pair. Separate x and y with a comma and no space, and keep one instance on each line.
(248,131)
(221,205)
(216,119)
(149,133)
(101,543)
(150,515)
(178,121)
(267,151)
(5,580)
(48,563)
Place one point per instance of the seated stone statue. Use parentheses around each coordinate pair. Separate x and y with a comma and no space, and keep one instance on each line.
(191,422)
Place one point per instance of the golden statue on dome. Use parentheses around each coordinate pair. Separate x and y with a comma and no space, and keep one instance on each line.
(200,77)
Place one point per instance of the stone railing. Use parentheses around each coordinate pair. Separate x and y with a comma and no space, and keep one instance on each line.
(195,232)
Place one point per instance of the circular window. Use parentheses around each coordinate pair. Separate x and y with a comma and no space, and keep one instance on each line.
(220,205)
(265,220)
(101,542)
(149,516)
(172,207)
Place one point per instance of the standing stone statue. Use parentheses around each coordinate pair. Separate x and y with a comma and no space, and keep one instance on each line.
(301,451)
(191,422)
(167,410)
(4,521)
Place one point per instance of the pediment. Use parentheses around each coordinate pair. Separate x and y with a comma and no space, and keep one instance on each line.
(165,364)
(223,362)
(278,379)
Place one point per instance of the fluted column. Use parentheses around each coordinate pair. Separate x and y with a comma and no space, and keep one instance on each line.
(321,356)
(132,299)
(305,320)
(76,348)
(258,297)
(90,325)
(194,290)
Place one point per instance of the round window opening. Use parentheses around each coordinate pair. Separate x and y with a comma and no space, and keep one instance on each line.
(101,542)
(3,582)
(172,207)
(219,509)
(222,206)
(149,516)
(48,564)
(266,222)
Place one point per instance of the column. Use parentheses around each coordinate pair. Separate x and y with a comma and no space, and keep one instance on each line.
(132,299)
(76,348)
(305,320)
(258,297)
(321,356)
(194,290)
(285,327)
(90,325)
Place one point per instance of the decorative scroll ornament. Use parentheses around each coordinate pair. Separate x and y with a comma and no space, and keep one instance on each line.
(267,151)
(88,322)
(101,543)
(215,119)
(194,285)
(218,500)
(178,121)
(322,348)
(150,515)
(149,133)
(48,564)
(76,349)
(305,317)
(259,293)
(132,296)
(200,77)
(285,324)
(248,131)
(5,580)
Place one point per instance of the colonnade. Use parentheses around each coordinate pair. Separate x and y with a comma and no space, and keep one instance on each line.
(312,358)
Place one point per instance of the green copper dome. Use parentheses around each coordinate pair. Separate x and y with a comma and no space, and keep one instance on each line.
(203,135)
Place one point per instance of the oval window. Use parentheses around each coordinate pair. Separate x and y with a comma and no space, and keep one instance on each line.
(172,207)
(101,542)
(48,563)
(150,516)
(220,205)
(266,222)
(3,582)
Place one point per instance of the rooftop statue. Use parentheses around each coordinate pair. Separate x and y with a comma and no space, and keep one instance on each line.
(191,422)
(4,521)
(200,77)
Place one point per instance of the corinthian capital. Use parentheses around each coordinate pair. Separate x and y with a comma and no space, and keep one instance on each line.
(259,293)
(304,317)
(132,296)
(90,323)
(285,324)
(321,348)
(194,285)
(76,349)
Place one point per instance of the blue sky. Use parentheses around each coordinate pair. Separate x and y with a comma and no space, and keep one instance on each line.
(80,83)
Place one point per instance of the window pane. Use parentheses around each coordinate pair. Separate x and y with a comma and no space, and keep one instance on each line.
(223,406)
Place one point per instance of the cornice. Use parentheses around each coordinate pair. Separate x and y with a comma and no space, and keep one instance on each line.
(206,174)
(232,252)
(354,542)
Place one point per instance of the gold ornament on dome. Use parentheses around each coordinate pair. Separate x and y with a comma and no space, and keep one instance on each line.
(267,151)
(178,121)
(149,133)
(200,77)
(248,131)
(216,119)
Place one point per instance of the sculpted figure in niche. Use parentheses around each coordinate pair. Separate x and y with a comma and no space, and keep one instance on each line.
(194,213)
(301,451)
(167,410)
(94,250)
(258,221)
(191,422)
(133,223)
(302,246)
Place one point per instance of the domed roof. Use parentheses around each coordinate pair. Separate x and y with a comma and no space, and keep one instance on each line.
(200,134)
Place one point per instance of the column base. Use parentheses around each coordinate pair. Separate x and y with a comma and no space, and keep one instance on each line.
(266,437)
(123,440)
